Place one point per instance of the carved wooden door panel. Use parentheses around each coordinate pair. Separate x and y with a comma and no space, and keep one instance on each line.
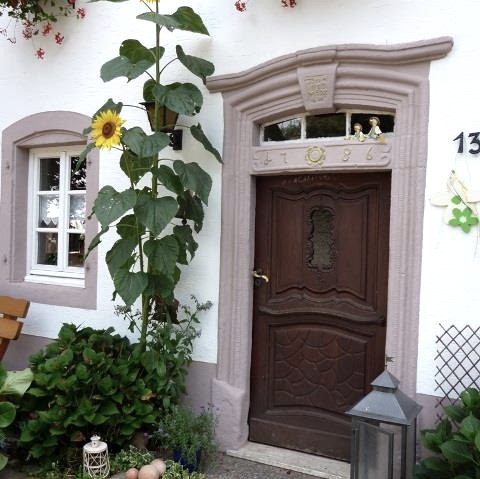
(319,323)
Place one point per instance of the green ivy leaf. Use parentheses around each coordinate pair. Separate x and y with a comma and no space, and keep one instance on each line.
(457,452)
(7,413)
(110,204)
(194,178)
(184,98)
(129,228)
(162,254)
(130,285)
(155,213)
(199,135)
(183,19)
(144,145)
(198,66)
(120,254)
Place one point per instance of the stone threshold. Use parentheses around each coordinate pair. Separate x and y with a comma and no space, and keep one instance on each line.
(293,460)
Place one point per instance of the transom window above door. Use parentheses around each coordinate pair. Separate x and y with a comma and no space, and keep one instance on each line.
(331,125)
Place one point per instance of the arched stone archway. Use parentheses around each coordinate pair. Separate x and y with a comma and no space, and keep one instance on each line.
(388,78)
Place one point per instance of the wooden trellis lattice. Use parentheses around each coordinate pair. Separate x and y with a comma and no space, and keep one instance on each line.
(458,363)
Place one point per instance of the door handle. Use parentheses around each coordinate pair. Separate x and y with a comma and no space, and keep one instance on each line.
(258,275)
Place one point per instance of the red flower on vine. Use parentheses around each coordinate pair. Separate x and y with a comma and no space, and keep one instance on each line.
(81,13)
(59,38)
(40,53)
(289,3)
(47,28)
(240,6)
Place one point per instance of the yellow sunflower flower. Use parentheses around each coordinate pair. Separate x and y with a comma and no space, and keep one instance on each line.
(106,129)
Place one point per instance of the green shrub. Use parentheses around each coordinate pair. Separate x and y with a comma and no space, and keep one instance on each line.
(87,381)
(176,471)
(94,381)
(455,442)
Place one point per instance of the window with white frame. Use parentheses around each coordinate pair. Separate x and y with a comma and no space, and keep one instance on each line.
(57,213)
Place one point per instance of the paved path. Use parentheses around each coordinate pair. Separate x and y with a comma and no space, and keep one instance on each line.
(224,467)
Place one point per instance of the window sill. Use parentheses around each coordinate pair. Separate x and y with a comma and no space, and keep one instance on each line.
(55,280)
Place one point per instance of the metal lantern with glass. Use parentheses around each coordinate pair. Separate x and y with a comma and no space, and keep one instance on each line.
(384,432)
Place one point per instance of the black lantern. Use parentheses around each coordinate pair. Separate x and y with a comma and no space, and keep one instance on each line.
(384,427)
(167,121)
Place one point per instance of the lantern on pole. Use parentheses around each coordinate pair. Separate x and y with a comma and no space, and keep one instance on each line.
(384,427)
(95,458)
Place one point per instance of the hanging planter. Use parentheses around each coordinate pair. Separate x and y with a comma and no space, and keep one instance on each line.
(167,122)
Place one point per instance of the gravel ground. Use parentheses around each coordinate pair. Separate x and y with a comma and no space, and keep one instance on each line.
(223,467)
(227,467)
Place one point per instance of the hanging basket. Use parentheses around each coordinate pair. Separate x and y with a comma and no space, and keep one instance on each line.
(168,118)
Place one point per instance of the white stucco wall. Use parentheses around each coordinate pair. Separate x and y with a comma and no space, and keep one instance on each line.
(68,79)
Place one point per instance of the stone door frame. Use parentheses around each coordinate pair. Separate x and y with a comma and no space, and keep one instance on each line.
(386,78)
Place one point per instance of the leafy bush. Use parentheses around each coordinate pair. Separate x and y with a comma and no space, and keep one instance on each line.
(176,471)
(455,441)
(94,381)
(87,381)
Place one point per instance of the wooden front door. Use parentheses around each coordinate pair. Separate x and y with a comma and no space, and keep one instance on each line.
(319,322)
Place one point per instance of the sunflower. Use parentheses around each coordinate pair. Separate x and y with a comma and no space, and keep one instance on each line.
(106,129)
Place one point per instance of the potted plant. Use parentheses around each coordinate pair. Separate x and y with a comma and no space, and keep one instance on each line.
(190,436)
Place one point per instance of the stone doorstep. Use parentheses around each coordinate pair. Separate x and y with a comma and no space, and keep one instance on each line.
(295,461)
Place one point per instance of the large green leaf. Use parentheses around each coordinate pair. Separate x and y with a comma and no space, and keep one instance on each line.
(183,19)
(162,254)
(184,98)
(457,452)
(135,167)
(134,60)
(120,254)
(145,145)
(199,135)
(169,179)
(198,66)
(155,213)
(111,205)
(191,208)
(96,240)
(7,414)
(194,178)
(17,382)
(184,236)
(128,227)
(130,285)
(3,461)
(161,285)
(457,413)
(470,397)
(470,427)
(3,374)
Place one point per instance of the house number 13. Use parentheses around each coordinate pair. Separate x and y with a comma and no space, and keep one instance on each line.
(475,142)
